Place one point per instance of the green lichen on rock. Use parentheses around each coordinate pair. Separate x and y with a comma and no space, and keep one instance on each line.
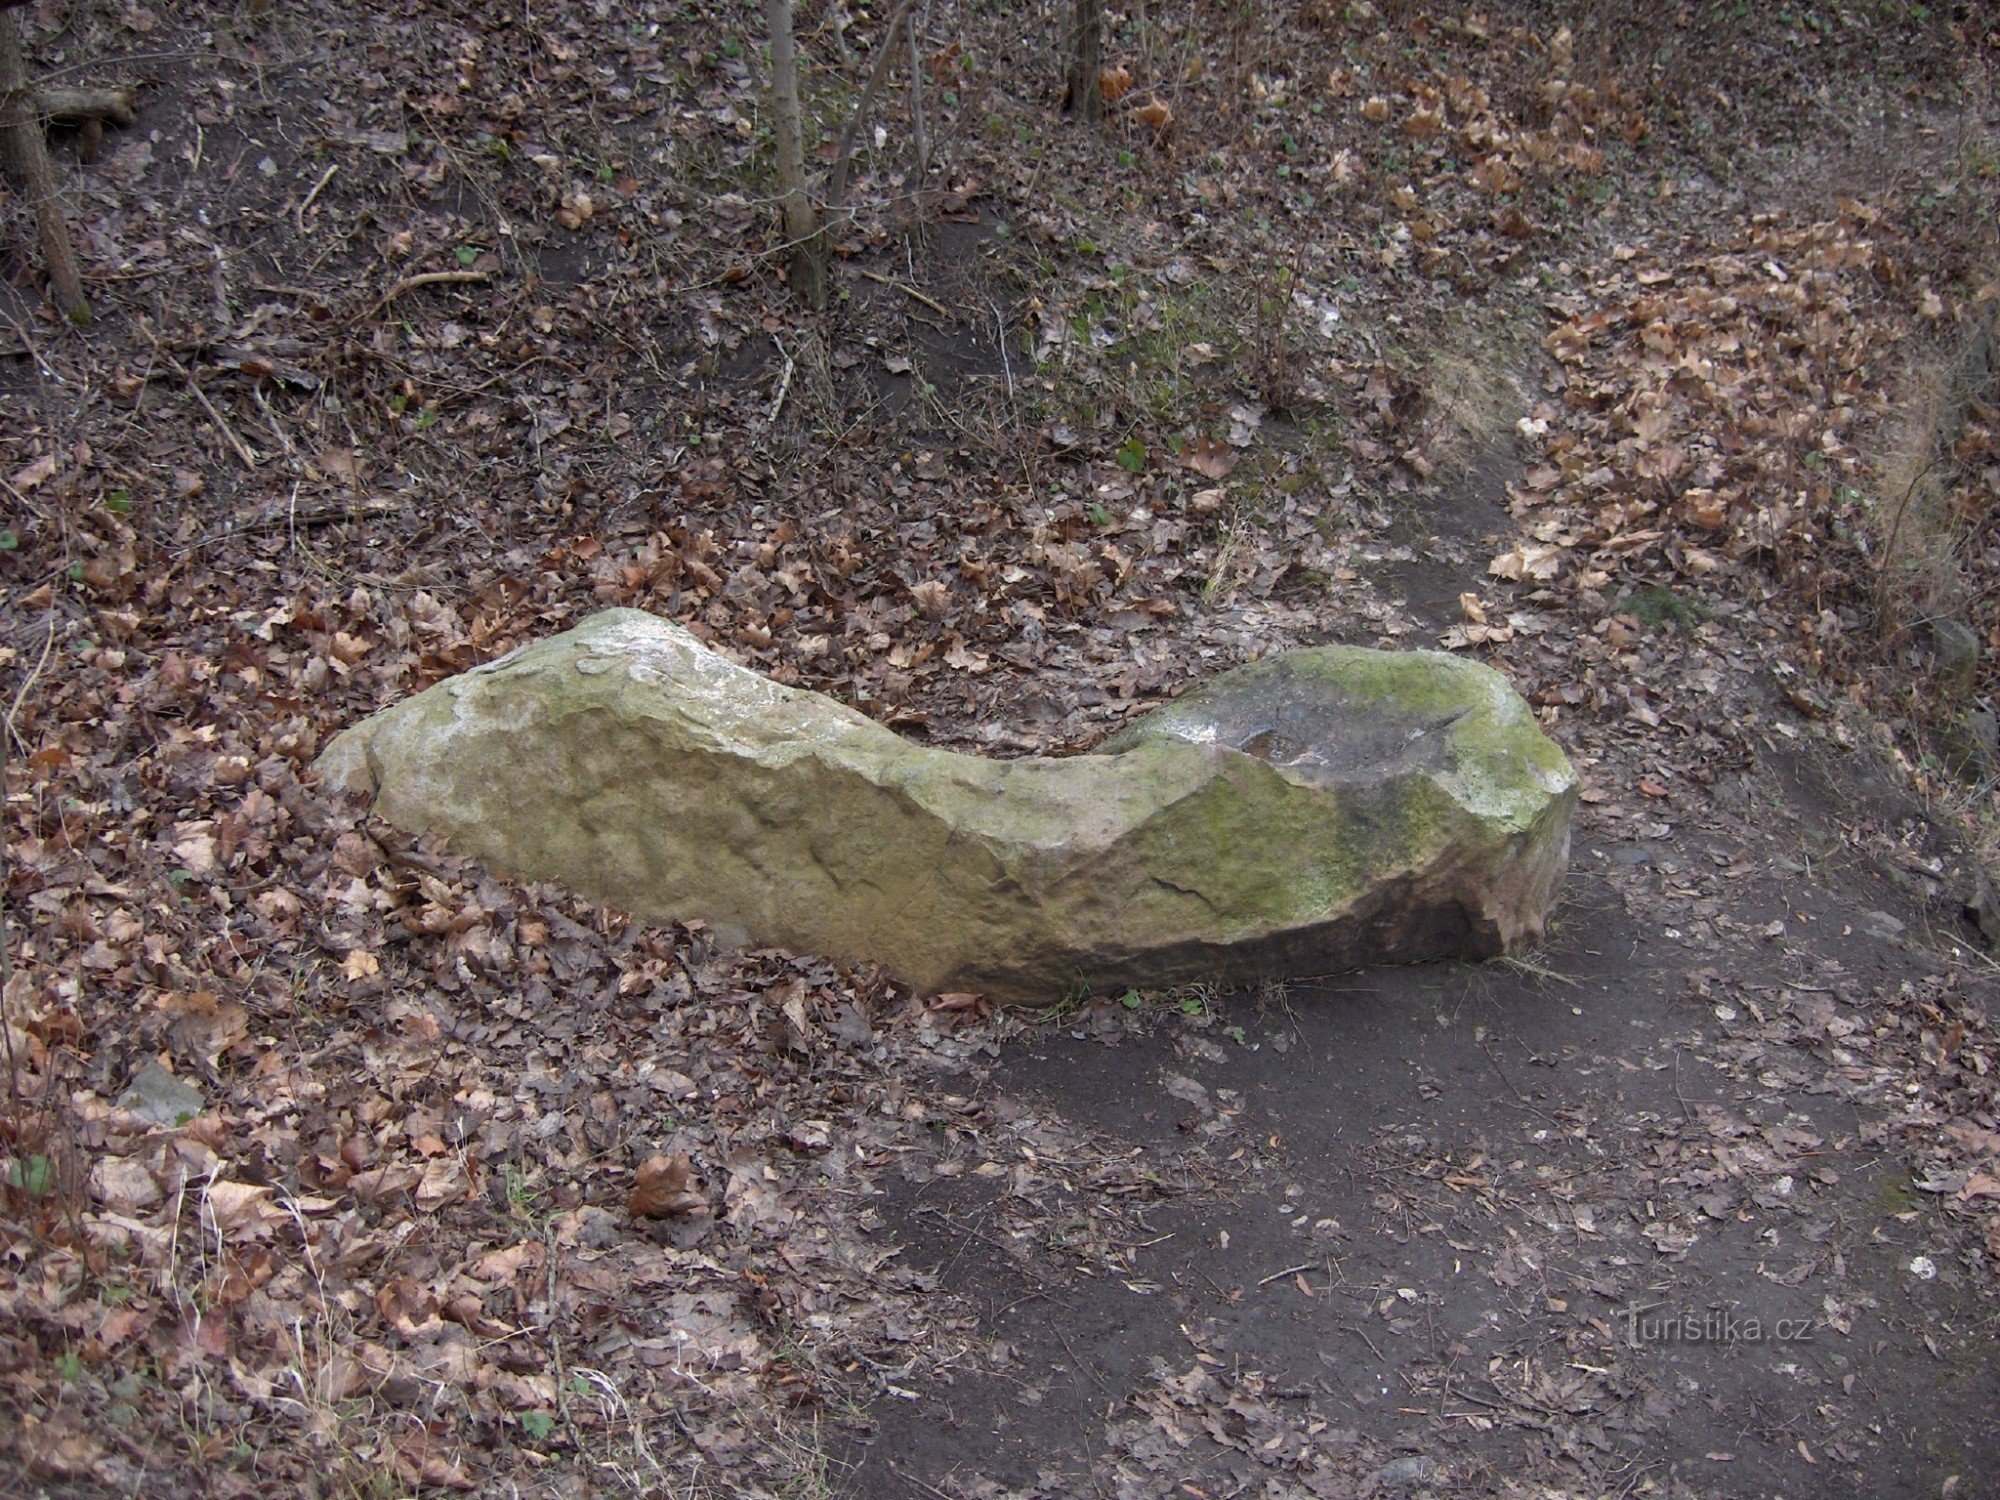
(1307,813)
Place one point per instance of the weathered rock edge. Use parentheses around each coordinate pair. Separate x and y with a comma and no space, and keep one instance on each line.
(1308,813)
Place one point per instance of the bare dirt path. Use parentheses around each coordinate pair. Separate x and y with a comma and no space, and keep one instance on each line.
(1632,1224)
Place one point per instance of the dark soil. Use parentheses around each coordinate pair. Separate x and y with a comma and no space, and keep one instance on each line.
(1436,1243)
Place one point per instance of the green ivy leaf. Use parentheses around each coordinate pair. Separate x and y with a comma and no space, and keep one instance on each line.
(1132,456)
(33,1175)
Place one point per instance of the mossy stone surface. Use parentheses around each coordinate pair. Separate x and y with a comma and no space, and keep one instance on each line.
(1307,813)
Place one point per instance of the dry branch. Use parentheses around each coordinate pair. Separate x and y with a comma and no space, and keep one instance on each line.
(118,104)
(427,278)
(836,193)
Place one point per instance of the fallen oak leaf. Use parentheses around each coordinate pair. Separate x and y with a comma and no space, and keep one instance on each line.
(1527,562)
(1210,459)
(959,1002)
(418,1462)
(32,474)
(661,1189)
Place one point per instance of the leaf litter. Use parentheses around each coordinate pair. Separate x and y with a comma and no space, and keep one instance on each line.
(336,1161)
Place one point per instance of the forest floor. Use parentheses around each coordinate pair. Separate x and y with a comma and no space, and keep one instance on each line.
(1646,353)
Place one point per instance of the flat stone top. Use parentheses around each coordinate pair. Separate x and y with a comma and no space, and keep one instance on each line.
(1338,715)
(1302,714)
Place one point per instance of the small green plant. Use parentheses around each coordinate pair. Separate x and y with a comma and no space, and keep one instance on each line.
(538,1425)
(1131,1000)
(1132,456)
(34,1175)
(522,1197)
(1655,605)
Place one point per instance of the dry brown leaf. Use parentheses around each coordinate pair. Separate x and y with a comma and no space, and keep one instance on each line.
(240,1207)
(420,1459)
(205,1023)
(1209,458)
(29,475)
(1528,561)
(1705,509)
(341,464)
(1496,175)
(1114,83)
(662,1188)
(1422,124)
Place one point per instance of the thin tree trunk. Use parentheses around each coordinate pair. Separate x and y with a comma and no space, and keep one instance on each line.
(1086,61)
(923,150)
(802,224)
(836,193)
(22,129)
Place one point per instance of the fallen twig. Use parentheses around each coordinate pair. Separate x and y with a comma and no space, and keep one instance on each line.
(118,104)
(313,196)
(243,450)
(1289,1271)
(911,292)
(427,278)
(784,381)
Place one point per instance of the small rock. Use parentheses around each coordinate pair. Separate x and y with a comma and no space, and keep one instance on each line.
(1957,647)
(1879,924)
(1969,745)
(1984,909)
(1402,1473)
(160,1098)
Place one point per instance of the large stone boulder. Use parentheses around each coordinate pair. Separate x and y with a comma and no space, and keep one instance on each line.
(1305,814)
